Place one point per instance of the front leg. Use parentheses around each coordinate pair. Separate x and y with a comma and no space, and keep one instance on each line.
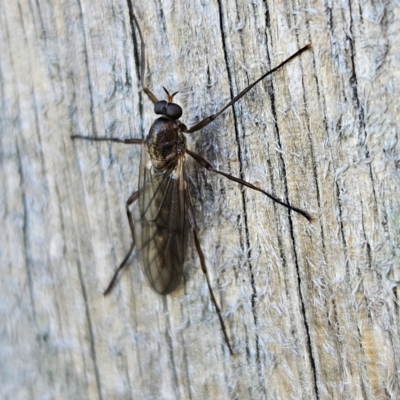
(203,123)
(148,92)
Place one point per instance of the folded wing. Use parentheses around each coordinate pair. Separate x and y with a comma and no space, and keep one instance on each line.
(161,226)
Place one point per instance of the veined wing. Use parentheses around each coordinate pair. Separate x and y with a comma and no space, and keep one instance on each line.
(161,225)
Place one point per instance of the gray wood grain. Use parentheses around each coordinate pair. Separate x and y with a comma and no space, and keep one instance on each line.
(312,309)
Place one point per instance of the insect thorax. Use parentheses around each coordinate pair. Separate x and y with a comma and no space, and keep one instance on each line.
(165,142)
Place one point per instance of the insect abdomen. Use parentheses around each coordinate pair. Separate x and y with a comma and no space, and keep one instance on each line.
(161,231)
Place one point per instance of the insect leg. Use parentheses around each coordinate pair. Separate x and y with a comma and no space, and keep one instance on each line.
(129,202)
(100,139)
(192,222)
(211,118)
(205,164)
(150,95)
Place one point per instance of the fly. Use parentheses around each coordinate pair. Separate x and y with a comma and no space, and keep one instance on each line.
(164,215)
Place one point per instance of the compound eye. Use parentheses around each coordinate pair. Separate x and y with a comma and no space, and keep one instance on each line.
(160,107)
(174,111)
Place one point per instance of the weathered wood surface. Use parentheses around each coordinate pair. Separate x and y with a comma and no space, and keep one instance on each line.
(312,310)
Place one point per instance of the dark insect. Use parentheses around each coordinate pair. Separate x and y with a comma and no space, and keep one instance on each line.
(164,215)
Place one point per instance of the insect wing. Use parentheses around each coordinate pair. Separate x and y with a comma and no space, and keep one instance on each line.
(161,225)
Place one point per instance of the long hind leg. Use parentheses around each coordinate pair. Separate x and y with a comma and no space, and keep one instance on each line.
(192,222)
(129,202)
